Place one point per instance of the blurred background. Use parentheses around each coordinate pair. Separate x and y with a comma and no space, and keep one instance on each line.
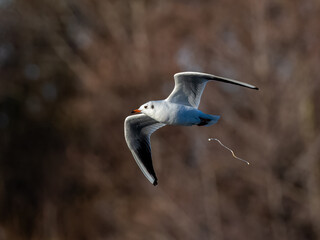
(72,71)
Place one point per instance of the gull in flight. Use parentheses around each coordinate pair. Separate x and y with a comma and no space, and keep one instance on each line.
(180,108)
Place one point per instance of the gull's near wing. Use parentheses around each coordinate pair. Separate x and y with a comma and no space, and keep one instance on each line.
(137,131)
(190,85)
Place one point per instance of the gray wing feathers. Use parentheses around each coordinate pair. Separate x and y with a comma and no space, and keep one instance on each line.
(189,87)
(138,129)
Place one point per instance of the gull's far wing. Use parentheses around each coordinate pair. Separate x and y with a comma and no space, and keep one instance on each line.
(137,131)
(189,87)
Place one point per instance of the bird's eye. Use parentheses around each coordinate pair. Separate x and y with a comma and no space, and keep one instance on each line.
(146,106)
(152,106)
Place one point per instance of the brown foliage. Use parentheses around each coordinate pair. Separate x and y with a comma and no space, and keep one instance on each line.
(71,71)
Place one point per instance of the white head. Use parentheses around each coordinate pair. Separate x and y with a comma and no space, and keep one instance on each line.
(148,108)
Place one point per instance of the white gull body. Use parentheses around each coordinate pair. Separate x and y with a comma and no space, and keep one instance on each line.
(180,108)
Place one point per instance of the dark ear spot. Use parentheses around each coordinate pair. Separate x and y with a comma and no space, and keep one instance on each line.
(152,106)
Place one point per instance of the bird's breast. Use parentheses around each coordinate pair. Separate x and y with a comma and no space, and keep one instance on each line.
(177,114)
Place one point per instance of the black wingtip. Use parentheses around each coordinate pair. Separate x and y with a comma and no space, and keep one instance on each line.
(155,183)
(256,88)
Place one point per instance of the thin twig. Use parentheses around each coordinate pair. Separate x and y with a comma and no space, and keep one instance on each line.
(216,139)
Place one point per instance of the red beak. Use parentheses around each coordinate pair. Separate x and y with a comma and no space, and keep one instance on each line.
(136,111)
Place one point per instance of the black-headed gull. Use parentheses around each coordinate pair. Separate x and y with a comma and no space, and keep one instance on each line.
(180,108)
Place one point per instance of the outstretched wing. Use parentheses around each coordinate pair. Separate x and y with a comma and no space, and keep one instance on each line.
(137,131)
(189,87)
